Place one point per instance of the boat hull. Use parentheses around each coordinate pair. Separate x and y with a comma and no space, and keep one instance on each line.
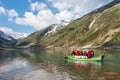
(94,59)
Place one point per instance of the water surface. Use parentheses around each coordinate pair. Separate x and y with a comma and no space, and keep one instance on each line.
(41,64)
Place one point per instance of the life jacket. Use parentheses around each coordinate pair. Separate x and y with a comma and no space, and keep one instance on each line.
(89,54)
(80,54)
(77,53)
(85,53)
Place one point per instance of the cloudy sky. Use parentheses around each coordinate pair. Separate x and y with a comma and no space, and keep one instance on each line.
(22,17)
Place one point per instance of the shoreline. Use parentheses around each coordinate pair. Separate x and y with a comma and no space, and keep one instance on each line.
(70,48)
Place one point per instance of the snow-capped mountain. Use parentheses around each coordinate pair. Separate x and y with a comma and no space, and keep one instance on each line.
(6,39)
(35,37)
(55,27)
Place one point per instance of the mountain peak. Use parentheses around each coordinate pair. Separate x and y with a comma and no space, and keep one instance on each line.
(6,39)
(96,29)
(101,9)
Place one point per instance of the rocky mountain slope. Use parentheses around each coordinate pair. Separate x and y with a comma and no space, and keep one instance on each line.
(35,37)
(6,40)
(99,28)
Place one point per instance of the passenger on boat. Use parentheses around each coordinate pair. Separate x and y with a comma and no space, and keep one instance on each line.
(73,53)
(84,54)
(81,53)
(89,54)
(77,53)
(92,53)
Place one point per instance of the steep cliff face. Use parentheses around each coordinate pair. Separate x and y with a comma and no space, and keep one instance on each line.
(99,28)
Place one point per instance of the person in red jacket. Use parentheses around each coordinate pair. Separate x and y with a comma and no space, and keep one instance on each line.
(77,53)
(81,53)
(85,53)
(89,54)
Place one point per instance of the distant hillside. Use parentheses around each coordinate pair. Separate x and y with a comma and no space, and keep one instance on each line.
(98,28)
(6,40)
(35,37)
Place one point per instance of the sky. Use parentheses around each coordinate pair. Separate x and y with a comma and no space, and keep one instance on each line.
(20,18)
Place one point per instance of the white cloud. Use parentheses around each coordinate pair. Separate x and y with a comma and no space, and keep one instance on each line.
(41,16)
(63,4)
(38,6)
(42,19)
(78,8)
(2,10)
(64,15)
(39,21)
(14,34)
(12,13)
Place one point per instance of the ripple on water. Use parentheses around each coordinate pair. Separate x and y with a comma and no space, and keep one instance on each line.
(109,76)
(112,75)
(43,75)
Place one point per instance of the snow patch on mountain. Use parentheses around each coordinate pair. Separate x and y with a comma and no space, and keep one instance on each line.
(16,35)
(6,39)
(5,36)
(55,27)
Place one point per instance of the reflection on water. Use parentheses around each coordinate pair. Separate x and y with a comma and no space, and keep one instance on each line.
(40,64)
(10,69)
(86,65)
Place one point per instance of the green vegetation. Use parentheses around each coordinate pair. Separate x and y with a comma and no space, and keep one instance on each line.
(79,32)
(115,40)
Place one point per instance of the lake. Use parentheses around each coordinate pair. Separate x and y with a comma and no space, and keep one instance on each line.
(49,64)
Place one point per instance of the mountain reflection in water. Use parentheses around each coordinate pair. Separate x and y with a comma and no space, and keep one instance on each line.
(40,64)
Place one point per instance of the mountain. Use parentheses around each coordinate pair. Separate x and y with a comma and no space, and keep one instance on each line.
(35,37)
(54,28)
(6,40)
(99,28)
